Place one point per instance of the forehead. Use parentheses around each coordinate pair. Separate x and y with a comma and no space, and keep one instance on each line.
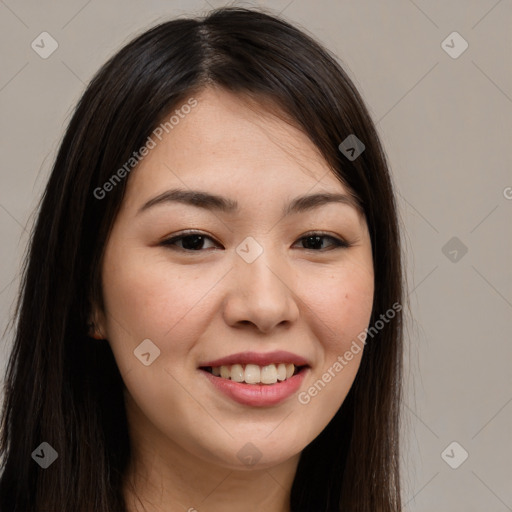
(231,146)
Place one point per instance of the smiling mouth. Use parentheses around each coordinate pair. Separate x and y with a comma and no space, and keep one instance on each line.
(255,374)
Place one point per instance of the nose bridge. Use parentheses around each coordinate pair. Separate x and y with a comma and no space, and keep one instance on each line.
(260,263)
(261,293)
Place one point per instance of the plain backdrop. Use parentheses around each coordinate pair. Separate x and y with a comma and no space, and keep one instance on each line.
(444,113)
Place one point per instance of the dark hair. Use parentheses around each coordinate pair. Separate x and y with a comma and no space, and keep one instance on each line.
(65,388)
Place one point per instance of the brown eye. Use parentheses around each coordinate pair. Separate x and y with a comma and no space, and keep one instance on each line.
(314,241)
(189,242)
(195,242)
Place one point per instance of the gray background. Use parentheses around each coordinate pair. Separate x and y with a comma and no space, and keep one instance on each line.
(446,125)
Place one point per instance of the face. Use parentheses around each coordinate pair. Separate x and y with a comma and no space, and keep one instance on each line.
(256,287)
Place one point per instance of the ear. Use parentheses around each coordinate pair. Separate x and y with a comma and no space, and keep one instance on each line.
(96,324)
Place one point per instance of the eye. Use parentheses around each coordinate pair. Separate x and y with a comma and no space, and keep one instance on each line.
(194,241)
(315,240)
(191,241)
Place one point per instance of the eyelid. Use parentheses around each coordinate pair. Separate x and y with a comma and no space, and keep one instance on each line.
(169,242)
(338,242)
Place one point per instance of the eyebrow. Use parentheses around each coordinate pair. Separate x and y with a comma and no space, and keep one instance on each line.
(209,201)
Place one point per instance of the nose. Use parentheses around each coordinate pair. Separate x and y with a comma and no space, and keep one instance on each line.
(261,294)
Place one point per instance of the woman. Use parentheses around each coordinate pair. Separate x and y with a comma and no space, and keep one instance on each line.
(210,315)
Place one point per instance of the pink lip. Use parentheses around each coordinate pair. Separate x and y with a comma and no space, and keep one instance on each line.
(257,395)
(261,359)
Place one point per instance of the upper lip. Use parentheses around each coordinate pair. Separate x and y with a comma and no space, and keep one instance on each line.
(258,358)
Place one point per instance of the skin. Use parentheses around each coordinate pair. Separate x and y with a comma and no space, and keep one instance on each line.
(209,303)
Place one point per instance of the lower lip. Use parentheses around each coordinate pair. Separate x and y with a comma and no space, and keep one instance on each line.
(258,395)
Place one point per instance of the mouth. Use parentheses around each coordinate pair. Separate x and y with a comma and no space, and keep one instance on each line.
(257,379)
(254,374)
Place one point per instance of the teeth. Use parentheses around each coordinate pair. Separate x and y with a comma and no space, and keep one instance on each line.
(237,373)
(269,374)
(281,371)
(254,374)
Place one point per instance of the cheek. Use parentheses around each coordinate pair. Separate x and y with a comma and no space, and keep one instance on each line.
(342,304)
(339,309)
(155,301)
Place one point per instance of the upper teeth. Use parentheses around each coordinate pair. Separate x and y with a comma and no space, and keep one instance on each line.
(254,374)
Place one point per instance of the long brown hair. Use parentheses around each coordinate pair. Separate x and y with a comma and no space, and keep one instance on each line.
(64,388)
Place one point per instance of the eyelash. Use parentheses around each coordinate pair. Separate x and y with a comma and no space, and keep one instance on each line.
(338,242)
